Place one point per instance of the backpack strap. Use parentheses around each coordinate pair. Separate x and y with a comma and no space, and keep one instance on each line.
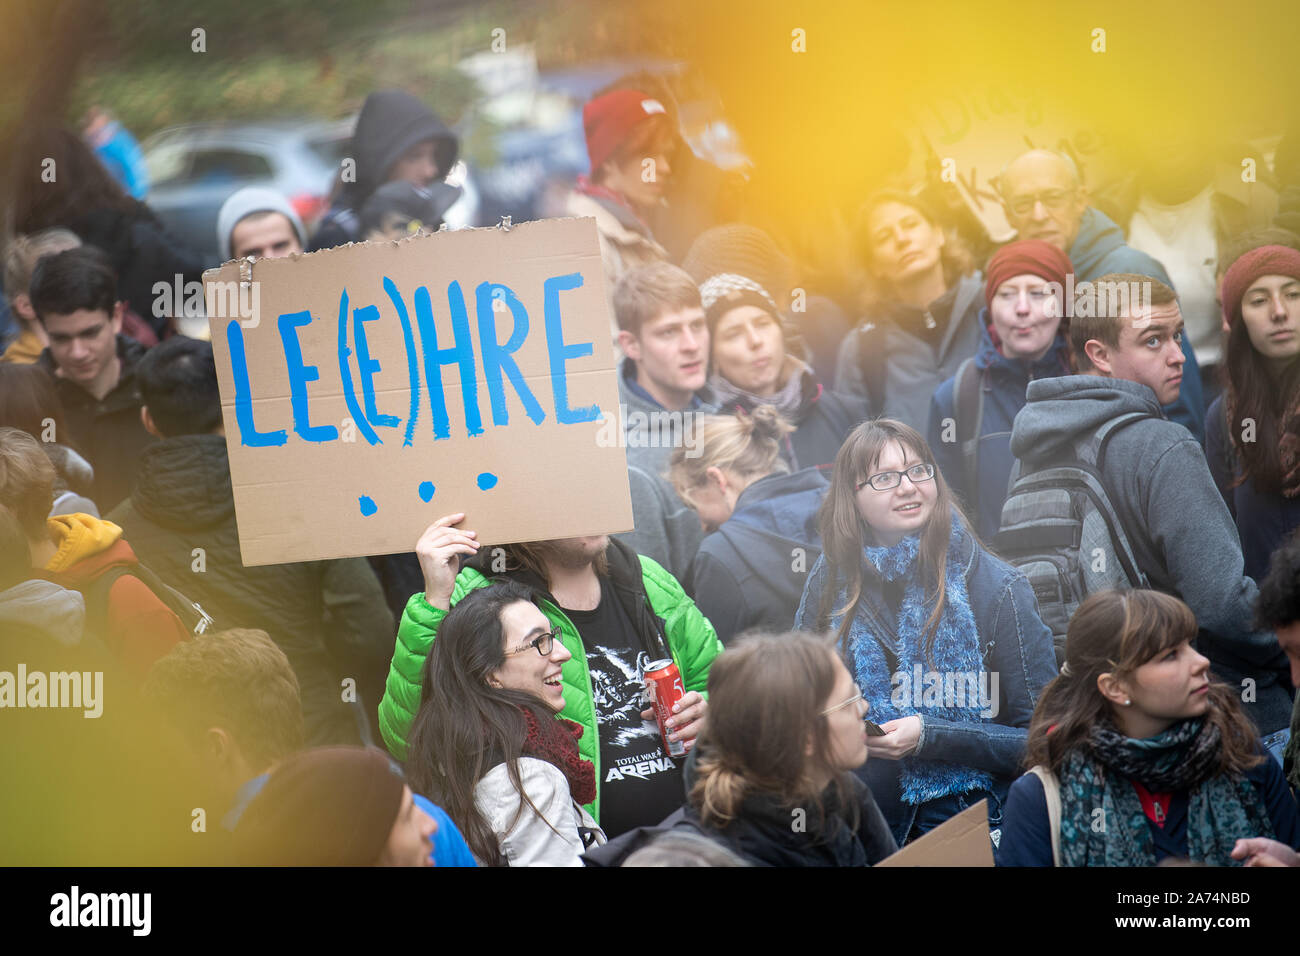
(1052,793)
(196,620)
(871,362)
(968,394)
(1092,454)
(191,614)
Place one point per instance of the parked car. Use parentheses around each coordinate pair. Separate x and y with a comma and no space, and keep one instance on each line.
(195,168)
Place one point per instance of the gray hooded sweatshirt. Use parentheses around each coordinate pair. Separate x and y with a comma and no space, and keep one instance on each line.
(1175,519)
(43,607)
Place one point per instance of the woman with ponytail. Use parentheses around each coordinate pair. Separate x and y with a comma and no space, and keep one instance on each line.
(771,769)
(487,741)
(1137,754)
(750,570)
(944,639)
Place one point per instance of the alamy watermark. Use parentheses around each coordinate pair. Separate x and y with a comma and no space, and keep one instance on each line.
(953,689)
(657,429)
(53,689)
(1097,299)
(233,299)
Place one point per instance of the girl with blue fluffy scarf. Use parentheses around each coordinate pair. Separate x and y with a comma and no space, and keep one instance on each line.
(943,638)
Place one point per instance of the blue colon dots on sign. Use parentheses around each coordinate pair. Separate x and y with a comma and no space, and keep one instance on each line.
(426,490)
(368,506)
(487,480)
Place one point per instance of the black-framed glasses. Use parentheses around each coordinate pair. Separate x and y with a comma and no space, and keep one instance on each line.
(922,471)
(544,642)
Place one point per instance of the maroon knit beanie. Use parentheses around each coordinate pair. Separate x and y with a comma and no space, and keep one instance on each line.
(1025,257)
(610,119)
(1264,261)
(332,806)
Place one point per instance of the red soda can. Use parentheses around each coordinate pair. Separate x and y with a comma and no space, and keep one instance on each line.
(664,689)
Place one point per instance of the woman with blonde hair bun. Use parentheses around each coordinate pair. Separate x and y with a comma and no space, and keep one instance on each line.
(750,570)
(771,776)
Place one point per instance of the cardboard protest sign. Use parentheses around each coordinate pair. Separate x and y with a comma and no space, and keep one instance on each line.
(369,389)
(961,841)
(975,132)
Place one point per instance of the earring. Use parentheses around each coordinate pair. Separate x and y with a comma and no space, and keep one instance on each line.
(1128,703)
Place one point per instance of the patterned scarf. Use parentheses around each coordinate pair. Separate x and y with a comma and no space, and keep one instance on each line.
(956,652)
(556,742)
(788,399)
(1102,820)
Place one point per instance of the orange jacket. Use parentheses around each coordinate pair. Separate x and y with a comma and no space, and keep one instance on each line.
(137,627)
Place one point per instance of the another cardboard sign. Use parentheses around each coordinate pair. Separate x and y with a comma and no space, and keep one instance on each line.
(961,841)
(369,389)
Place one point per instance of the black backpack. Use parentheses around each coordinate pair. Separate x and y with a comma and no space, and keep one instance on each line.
(1060,529)
(195,620)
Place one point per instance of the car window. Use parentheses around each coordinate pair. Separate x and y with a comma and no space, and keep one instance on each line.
(167,164)
(225,165)
(330,149)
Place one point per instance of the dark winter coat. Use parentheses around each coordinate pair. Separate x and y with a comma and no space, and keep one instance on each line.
(143,252)
(1003,382)
(327,616)
(107,431)
(888,362)
(1264,519)
(766,832)
(391,122)
(751,571)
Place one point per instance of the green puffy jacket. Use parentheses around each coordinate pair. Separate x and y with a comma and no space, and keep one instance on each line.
(672,617)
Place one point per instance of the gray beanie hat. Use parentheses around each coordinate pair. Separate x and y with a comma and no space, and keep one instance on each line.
(247,201)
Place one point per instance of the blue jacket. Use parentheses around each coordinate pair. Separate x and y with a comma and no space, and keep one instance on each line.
(751,572)
(121,155)
(449,847)
(1099,249)
(1003,382)
(1016,645)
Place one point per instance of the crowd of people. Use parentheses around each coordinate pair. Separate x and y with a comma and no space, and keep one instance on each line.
(991,533)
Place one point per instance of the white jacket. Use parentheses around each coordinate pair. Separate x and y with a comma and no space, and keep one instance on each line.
(551,839)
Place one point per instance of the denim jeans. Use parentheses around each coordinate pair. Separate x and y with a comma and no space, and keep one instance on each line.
(1275,743)
(935,812)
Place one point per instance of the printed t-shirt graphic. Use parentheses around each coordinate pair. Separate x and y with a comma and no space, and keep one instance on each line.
(640,784)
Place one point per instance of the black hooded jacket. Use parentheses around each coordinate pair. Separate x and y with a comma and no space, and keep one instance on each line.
(391,122)
(329,617)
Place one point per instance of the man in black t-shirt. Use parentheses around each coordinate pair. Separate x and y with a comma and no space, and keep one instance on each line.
(641,782)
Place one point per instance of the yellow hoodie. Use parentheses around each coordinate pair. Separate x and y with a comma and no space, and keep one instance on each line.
(80,536)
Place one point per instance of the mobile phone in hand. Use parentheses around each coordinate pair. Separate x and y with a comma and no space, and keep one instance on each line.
(873,730)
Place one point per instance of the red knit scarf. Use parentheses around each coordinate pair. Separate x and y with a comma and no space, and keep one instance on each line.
(557,743)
